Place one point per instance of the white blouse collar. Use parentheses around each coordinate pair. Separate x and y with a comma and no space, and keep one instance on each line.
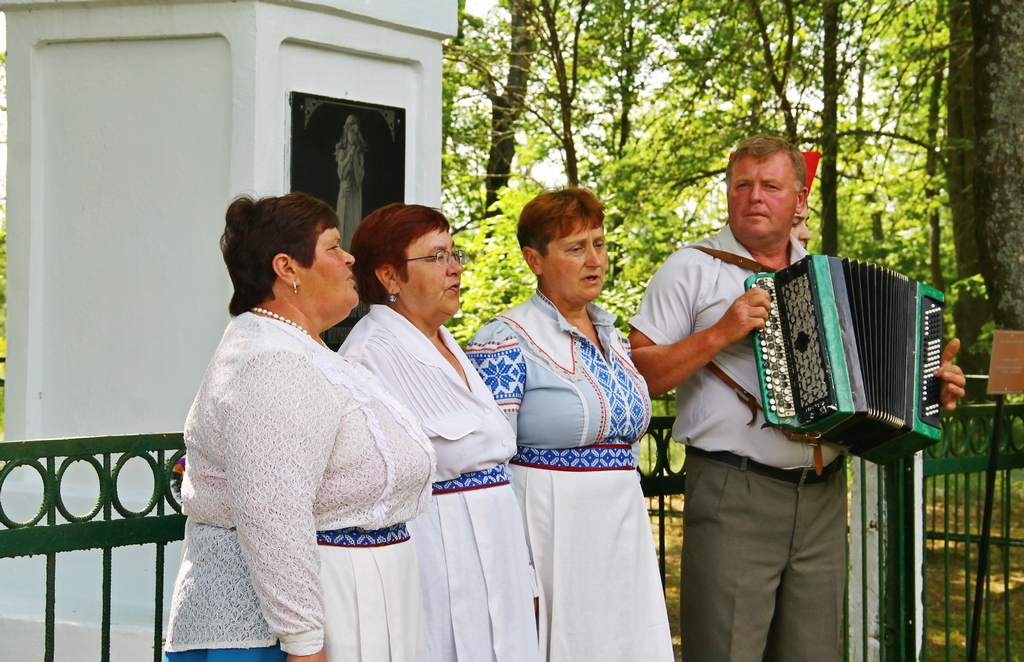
(420,348)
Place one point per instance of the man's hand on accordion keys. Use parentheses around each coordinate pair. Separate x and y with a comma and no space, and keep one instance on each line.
(951,376)
(747,313)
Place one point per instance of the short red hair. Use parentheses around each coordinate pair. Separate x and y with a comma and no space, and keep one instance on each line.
(557,213)
(382,239)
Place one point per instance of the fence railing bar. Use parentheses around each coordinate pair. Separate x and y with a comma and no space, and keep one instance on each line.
(973,540)
(51,599)
(158,601)
(107,558)
(49,502)
(968,592)
(973,464)
(91,535)
(114,444)
(158,576)
(1007,507)
(945,579)
(865,634)
(105,626)
(661,539)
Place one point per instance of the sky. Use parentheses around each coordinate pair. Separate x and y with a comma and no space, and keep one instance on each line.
(479,7)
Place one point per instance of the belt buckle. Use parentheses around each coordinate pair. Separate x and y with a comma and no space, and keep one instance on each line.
(803,475)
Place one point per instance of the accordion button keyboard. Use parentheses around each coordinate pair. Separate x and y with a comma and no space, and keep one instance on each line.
(773,359)
(931,359)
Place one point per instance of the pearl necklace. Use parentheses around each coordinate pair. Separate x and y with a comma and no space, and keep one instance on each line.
(266,313)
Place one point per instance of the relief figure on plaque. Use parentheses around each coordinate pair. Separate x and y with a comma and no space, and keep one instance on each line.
(349,154)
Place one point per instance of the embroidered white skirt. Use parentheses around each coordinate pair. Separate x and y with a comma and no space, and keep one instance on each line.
(476,579)
(372,604)
(601,598)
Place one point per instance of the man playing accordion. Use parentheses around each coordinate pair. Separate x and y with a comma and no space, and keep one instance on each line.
(764,548)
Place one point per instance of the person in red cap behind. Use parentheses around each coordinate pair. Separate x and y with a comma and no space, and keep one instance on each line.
(800,230)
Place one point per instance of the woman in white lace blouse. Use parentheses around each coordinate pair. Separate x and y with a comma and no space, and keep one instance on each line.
(563,375)
(474,566)
(302,470)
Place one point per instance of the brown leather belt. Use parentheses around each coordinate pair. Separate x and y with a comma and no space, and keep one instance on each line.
(806,476)
(752,403)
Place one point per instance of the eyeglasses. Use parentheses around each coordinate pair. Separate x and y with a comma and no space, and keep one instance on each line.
(444,258)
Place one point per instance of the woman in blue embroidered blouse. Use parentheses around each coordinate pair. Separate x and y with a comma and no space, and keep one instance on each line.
(563,375)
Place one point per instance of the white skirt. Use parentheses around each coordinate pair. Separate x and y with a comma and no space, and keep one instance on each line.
(476,578)
(601,598)
(372,607)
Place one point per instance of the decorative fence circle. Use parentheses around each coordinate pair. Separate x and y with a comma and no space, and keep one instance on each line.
(104,487)
(47,492)
(170,494)
(154,497)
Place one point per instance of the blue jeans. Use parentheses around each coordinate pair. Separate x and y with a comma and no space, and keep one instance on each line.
(266,654)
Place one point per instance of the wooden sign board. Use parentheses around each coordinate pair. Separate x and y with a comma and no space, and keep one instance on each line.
(1006,372)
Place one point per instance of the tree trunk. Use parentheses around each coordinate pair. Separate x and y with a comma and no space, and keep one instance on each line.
(506,107)
(999,170)
(778,71)
(971,311)
(931,168)
(627,86)
(567,78)
(829,130)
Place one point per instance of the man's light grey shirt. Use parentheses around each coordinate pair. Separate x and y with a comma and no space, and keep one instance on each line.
(690,293)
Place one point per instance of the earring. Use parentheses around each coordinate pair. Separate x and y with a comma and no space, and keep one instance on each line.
(295,287)
(392,298)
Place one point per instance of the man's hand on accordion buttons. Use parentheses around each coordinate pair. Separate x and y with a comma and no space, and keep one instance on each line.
(747,313)
(953,380)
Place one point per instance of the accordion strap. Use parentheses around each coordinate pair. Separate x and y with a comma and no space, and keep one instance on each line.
(752,403)
(742,393)
(738,260)
(745,397)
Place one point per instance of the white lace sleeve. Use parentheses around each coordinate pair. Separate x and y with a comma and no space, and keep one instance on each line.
(280,419)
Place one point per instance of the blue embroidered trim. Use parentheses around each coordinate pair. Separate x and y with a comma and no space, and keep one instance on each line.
(473,481)
(502,367)
(356,537)
(599,457)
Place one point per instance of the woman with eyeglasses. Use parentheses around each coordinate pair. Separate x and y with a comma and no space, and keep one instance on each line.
(563,374)
(474,566)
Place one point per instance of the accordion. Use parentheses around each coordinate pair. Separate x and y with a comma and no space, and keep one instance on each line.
(848,354)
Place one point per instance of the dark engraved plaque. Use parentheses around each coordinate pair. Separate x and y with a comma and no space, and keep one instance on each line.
(351,155)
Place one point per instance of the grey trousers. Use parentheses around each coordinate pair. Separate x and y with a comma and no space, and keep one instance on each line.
(764,566)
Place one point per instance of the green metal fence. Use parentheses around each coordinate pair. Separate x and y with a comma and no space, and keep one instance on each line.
(895,531)
(914,529)
(53,528)
(954,494)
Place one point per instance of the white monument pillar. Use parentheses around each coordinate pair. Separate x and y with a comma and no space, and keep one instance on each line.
(132,125)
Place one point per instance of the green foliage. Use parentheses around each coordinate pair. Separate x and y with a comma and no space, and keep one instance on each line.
(663,92)
(497,277)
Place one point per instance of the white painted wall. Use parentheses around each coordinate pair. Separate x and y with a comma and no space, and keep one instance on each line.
(131,127)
